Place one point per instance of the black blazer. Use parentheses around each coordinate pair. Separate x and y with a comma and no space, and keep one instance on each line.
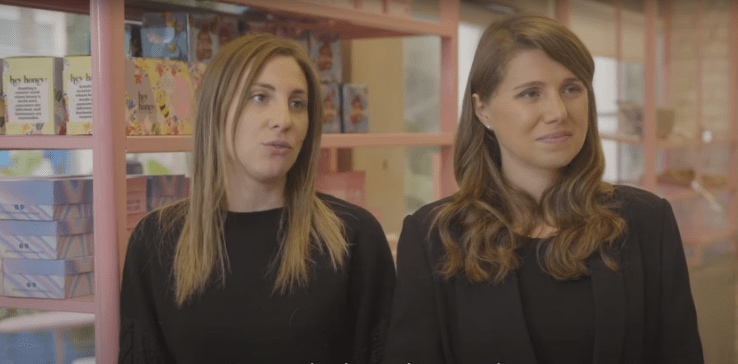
(644,312)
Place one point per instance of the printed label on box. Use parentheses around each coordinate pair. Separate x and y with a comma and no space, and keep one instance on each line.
(78,94)
(44,212)
(32,89)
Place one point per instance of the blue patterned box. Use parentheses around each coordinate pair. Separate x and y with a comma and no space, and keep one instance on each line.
(355,108)
(46,191)
(48,278)
(21,211)
(46,247)
(45,228)
(165,35)
(331,107)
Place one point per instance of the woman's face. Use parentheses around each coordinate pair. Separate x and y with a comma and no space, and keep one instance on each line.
(539,114)
(272,127)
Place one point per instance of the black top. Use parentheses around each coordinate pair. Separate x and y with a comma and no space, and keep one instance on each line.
(643,311)
(340,317)
(559,314)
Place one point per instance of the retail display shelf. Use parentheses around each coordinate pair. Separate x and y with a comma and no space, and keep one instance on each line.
(78,304)
(362,24)
(27,142)
(386,139)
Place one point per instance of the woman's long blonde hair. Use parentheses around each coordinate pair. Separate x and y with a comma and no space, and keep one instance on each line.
(308,223)
(477,227)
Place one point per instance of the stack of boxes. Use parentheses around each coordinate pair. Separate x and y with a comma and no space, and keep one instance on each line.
(162,190)
(46,237)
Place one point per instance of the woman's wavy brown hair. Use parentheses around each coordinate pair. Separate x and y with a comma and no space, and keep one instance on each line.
(477,227)
(308,223)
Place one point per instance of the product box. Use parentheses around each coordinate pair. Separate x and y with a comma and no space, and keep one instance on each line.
(331,93)
(197,69)
(348,186)
(165,35)
(203,36)
(301,36)
(325,51)
(2,102)
(165,189)
(20,211)
(32,89)
(45,228)
(228,29)
(141,112)
(136,194)
(398,7)
(46,190)
(77,87)
(48,278)
(159,97)
(46,247)
(132,44)
(355,108)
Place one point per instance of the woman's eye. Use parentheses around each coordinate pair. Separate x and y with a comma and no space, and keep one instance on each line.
(529,93)
(297,104)
(573,89)
(258,97)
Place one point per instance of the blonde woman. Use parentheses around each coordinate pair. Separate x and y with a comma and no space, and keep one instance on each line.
(255,266)
(536,260)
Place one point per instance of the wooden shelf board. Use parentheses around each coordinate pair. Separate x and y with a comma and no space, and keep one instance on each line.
(365,23)
(158,143)
(28,142)
(77,304)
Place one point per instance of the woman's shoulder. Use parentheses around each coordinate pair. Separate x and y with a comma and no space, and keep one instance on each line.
(633,198)
(351,214)
(426,213)
(159,226)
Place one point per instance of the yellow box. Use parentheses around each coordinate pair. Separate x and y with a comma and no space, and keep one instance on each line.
(77,88)
(32,88)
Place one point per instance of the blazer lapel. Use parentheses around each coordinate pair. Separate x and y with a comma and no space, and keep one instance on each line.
(608,289)
(492,327)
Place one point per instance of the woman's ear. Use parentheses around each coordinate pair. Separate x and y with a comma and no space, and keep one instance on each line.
(480,110)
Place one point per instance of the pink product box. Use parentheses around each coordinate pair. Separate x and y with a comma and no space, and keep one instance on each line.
(355,108)
(45,212)
(48,278)
(331,107)
(160,97)
(133,219)
(228,29)
(166,189)
(54,228)
(32,89)
(348,186)
(136,194)
(325,51)
(46,191)
(46,247)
